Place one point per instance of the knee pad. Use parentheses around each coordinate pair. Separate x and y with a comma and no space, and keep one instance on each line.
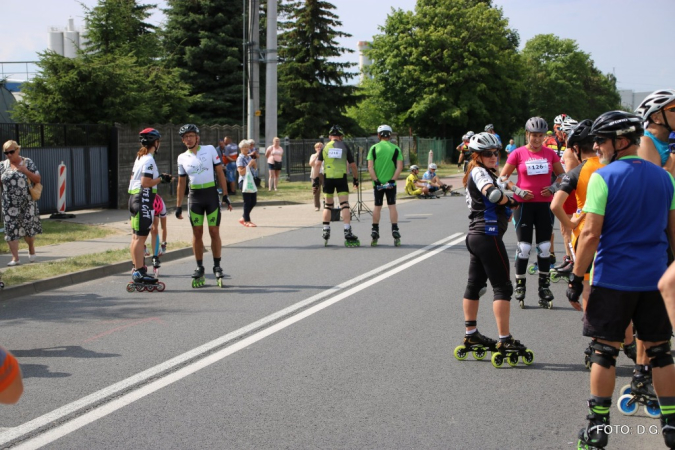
(603,354)
(503,291)
(472,291)
(344,205)
(544,249)
(327,206)
(659,355)
(523,250)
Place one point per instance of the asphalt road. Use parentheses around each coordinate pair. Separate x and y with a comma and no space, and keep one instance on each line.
(306,347)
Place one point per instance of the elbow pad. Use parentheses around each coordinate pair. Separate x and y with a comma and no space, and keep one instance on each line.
(495,195)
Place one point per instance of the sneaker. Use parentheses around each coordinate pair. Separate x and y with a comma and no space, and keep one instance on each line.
(13,263)
(31,258)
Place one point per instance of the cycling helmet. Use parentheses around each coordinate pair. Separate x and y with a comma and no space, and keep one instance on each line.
(414,167)
(433,166)
(568,125)
(560,119)
(158,205)
(335,130)
(580,134)
(484,141)
(489,127)
(469,134)
(148,136)
(187,128)
(536,125)
(618,124)
(465,138)
(384,130)
(654,102)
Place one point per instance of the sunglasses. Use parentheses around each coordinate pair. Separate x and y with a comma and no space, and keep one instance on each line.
(600,140)
(672,108)
(10,152)
(489,154)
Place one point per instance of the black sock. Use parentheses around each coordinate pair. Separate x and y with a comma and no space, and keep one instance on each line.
(394,226)
(376,226)
(216,261)
(200,262)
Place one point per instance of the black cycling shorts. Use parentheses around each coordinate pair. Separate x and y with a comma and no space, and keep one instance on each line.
(533,216)
(330,185)
(381,193)
(142,211)
(489,261)
(609,312)
(204,202)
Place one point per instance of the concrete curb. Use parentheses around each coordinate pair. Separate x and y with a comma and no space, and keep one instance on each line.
(69,279)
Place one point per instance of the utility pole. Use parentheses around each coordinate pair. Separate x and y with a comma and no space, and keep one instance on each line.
(254,71)
(271,59)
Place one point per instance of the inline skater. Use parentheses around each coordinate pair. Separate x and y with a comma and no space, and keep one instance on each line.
(461,148)
(142,189)
(337,159)
(658,112)
(433,182)
(625,240)
(385,162)
(466,153)
(199,162)
(535,163)
(488,220)
(489,128)
(413,185)
(159,208)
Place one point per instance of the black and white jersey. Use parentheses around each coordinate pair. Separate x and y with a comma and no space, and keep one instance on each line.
(485,217)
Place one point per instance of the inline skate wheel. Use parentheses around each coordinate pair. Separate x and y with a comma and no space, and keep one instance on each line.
(521,303)
(512,359)
(532,269)
(624,390)
(479,353)
(325,243)
(220,282)
(373,244)
(626,405)
(161,286)
(460,353)
(131,287)
(653,410)
(528,357)
(140,288)
(554,277)
(397,242)
(497,360)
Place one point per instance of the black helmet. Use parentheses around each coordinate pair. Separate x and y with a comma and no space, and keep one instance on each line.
(580,134)
(335,130)
(536,125)
(618,124)
(187,128)
(148,136)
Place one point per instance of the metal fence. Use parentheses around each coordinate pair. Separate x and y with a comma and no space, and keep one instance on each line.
(32,135)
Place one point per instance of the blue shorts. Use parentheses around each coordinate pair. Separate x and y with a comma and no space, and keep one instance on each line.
(231,172)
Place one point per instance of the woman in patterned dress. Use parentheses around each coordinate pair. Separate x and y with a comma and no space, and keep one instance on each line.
(19,212)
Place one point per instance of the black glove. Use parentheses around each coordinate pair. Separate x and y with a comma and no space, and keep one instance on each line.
(166,177)
(226,199)
(356,182)
(377,182)
(512,203)
(179,211)
(575,288)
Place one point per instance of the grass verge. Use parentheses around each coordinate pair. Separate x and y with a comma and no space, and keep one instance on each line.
(39,271)
(56,232)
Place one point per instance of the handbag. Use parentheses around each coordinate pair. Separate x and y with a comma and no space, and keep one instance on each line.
(248,185)
(35,191)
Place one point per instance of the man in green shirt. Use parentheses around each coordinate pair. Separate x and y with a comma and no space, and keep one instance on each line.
(385,162)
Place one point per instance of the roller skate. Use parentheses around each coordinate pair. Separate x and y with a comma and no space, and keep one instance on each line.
(594,436)
(545,294)
(374,236)
(668,429)
(640,391)
(397,237)
(326,236)
(2,285)
(198,277)
(563,271)
(510,349)
(162,250)
(533,268)
(141,281)
(520,292)
(350,239)
(477,344)
(156,264)
(218,272)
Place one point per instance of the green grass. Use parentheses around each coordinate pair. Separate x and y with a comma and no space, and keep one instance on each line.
(33,272)
(56,232)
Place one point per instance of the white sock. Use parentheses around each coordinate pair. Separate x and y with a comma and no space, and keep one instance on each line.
(472,331)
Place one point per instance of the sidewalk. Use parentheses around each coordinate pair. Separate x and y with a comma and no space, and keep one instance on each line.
(271,217)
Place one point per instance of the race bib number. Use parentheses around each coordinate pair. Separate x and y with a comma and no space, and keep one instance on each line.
(335,153)
(537,167)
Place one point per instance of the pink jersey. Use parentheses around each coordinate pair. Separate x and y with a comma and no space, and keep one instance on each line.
(534,170)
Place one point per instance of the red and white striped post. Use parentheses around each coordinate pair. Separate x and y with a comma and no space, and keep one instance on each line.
(61,196)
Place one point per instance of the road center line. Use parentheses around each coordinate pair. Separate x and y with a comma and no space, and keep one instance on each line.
(105,409)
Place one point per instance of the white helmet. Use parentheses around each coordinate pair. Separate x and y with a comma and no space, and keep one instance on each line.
(469,134)
(560,119)
(414,167)
(654,102)
(484,141)
(465,138)
(384,130)
(433,166)
(568,125)
(489,127)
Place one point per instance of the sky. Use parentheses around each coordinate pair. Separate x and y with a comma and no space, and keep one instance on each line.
(623,37)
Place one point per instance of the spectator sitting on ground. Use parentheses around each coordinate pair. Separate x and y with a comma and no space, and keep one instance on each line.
(413,185)
(433,182)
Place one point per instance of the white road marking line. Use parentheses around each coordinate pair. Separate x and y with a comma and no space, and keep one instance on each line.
(126,399)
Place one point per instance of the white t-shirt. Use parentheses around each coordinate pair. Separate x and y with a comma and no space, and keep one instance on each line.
(199,166)
(143,166)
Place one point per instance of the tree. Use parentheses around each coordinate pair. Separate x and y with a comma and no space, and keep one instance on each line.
(371,111)
(563,79)
(106,82)
(203,41)
(450,66)
(312,90)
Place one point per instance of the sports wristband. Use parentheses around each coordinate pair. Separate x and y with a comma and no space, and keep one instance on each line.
(179,211)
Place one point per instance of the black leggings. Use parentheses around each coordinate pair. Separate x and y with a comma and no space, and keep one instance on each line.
(528,218)
(488,261)
(250,200)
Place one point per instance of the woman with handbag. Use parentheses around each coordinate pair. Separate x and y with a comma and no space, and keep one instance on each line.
(19,210)
(245,164)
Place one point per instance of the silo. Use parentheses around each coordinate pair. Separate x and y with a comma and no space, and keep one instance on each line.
(56,41)
(71,40)
(364,61)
